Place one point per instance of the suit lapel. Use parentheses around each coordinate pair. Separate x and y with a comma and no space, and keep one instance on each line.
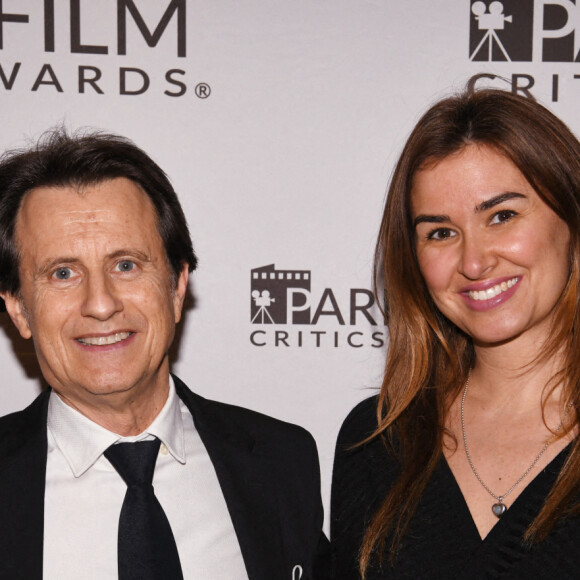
(246,483)
(23,448)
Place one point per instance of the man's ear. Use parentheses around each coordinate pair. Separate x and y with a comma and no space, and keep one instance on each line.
(179,292)
(15,309)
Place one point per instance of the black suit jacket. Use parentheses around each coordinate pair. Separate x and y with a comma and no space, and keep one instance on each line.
(268,471)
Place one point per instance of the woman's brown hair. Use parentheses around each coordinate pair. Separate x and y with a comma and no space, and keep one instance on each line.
(429,357)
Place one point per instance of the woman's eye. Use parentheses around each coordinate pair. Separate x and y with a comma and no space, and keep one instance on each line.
(505,215)
(441,234)
(62,274)
(125,266)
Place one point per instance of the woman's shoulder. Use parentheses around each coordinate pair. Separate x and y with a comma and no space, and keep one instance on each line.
(361,453)
(360,423)
(362,474)
(358,447)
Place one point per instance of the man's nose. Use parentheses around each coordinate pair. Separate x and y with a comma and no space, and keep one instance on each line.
(100,300)
(478,256)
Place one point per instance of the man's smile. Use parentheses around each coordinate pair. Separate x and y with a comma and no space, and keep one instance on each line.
(105,340)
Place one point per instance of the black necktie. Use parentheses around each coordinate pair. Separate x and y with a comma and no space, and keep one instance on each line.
(146,546)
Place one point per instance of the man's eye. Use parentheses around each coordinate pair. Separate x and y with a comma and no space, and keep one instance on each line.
(125,266)
(63,274)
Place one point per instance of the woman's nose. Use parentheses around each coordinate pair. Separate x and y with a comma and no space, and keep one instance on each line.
(478,256)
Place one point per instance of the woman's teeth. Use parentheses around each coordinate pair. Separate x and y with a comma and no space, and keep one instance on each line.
(492,292)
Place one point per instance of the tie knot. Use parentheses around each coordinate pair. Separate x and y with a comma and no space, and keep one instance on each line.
(134,462)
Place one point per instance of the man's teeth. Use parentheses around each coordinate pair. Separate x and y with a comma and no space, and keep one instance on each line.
(105,340)
(492,292)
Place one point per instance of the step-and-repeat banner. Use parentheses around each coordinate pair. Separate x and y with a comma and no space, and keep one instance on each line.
(279,122)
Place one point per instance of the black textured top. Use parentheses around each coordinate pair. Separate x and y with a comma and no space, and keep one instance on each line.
(442,541)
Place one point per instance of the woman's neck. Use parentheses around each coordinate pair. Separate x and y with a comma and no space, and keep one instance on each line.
(511,377)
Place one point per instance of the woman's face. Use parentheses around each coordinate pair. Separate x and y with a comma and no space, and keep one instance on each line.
(494,256)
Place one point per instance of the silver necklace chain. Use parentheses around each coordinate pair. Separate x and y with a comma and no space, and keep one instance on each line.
(498,508)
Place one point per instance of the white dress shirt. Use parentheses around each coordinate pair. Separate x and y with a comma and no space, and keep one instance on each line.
(84,495)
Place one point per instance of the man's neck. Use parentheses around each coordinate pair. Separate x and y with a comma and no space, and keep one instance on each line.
(128,413)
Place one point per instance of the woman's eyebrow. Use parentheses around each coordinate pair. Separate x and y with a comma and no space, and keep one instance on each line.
(483,206)
(489,203)
(433,219)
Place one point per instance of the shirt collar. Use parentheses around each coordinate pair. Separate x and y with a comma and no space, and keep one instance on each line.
(83,441)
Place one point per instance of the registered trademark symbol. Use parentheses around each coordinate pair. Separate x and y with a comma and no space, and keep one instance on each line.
(202,90)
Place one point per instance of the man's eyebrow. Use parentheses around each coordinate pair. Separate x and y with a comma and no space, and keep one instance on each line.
(489,203)
(128,252)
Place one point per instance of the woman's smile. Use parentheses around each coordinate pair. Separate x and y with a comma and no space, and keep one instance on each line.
(490,294)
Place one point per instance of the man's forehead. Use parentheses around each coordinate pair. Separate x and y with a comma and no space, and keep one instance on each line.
(86,202)
(118,207)
(83,190)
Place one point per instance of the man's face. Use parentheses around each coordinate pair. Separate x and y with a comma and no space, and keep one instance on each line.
(96,292)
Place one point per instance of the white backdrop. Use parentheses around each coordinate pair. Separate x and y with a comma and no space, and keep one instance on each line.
(282,125)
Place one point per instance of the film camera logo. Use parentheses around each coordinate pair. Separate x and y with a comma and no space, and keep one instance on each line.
(285,313)
(280,296)
(501,31)
(524,30)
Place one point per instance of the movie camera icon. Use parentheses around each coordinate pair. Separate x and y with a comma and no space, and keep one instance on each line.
(491,21)
(263,301)
(279,296)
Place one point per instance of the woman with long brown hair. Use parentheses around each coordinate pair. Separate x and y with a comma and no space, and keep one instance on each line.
(467,464)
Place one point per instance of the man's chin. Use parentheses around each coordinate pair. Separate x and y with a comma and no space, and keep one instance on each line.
(102,390)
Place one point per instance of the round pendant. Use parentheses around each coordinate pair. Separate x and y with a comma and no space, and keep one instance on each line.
(498,509)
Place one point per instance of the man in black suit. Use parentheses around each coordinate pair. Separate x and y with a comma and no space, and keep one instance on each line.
(95,256)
